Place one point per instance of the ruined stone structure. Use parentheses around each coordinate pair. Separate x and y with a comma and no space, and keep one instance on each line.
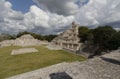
(68,39)
(25,40)
(6,43)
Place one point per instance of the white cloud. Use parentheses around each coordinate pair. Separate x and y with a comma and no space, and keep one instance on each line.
(118,29)
(95,12)
(37,18)
(12,21)
(98,12)
(54,16)
(9,19)
(64,7)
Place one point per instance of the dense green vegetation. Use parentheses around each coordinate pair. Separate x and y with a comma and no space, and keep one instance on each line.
(103,37)
(114,42)
(37,36)
(17,64)
(5,36)
(85,34)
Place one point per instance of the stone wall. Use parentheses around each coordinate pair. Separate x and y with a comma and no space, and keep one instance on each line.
(7,43)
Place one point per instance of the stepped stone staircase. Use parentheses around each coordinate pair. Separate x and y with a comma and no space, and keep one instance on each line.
(104,67)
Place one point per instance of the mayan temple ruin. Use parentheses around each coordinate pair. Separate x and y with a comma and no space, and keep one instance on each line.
(24,40)
(68,39)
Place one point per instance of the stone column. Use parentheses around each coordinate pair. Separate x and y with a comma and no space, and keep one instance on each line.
(72,46)
(69,46)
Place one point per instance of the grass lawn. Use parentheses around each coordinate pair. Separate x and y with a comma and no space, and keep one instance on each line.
(17,64)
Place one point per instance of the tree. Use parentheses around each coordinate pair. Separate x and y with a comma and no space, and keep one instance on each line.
(114,42)
(102,36)
(22,33)
(49,38)
(5,36)
(37,36)
(85,34)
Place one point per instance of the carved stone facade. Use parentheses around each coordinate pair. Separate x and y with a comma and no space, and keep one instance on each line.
(68,39)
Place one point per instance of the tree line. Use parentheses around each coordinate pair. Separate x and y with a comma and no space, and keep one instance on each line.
(104,38)
(5,36)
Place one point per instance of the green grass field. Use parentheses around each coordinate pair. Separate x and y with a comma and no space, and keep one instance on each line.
(17,64)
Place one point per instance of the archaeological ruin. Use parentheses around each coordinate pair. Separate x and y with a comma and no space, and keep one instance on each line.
(68,39)
(24,40)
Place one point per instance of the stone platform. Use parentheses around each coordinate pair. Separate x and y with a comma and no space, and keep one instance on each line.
(23,51)
(104,67)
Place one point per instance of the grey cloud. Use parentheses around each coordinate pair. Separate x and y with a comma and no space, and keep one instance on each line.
(9,18)
(94,12)
(55,16)
(15,15)
(62,7)
(38,18)
(98,12)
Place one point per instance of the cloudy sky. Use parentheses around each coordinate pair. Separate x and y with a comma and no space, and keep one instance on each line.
(54,16)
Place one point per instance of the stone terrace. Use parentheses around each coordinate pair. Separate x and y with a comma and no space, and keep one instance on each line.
(104,67)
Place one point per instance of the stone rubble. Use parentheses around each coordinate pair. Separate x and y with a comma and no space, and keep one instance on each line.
(104,67)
